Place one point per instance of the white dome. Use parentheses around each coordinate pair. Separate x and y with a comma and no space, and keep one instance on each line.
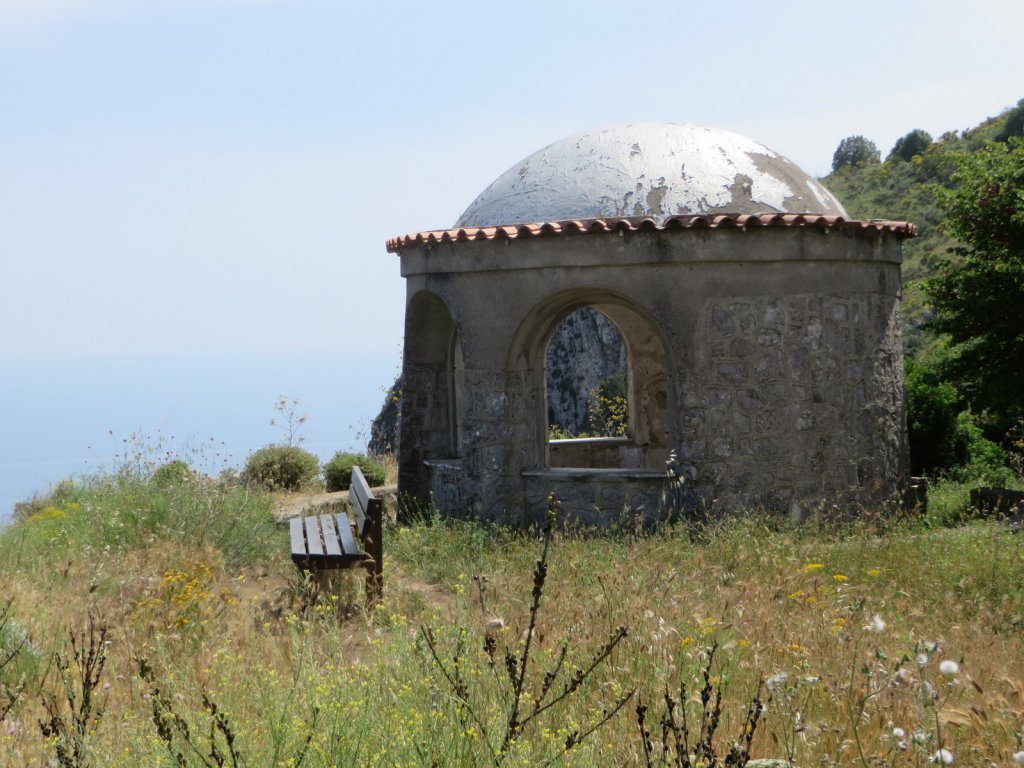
(648,169)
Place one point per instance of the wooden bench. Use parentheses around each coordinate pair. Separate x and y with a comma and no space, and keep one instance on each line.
(328,542)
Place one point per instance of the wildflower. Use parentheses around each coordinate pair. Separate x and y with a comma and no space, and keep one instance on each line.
(877,624)
(922,659)
(840,577)
(874,572)
(813,567)
(898,733)
(776,680)
(1018,758)
(949,667)
(942,757)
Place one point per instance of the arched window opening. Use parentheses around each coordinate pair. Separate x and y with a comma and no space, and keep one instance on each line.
(606,388)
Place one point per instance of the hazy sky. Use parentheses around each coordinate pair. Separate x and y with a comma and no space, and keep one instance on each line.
(195,194)
(190,178)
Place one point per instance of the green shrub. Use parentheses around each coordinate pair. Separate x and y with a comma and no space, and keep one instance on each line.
(173,473)
(985,460)
(281,468)
(338,471)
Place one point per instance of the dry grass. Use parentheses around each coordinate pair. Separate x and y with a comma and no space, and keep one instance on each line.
(834,620)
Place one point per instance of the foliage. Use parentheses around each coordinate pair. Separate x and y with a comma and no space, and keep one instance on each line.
(913,143)
(984,460)
(978,293)
(281,468)
(119,512)
(173,473)
(338,471)
(854,151)
(1014,125)
(608,408)
(905,191)
(932,409)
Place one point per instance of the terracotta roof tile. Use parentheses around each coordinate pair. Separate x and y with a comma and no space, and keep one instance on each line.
(647,224)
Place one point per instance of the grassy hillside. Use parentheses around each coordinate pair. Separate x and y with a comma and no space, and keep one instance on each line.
(207,648)
(903,190)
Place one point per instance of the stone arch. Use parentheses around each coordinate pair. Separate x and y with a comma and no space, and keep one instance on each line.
(649,373)
(433,376)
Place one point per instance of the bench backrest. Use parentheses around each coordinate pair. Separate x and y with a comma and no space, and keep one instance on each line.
(365,506)
(369,520)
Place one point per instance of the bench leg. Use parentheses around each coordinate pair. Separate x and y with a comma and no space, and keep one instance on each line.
(374,583)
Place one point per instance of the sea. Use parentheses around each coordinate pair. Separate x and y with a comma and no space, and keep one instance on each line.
(74,419)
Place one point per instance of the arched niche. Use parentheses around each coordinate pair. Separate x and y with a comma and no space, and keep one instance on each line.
(646,443)
(432,384)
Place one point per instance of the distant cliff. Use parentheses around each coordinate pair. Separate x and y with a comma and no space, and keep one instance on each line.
(585,351)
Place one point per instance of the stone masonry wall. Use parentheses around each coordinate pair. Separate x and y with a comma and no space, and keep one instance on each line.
(790,398)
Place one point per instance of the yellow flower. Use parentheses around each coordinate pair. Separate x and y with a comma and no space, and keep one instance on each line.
(813,567)
(840,577)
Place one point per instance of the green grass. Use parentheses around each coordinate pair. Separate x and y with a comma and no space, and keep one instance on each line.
(193,576)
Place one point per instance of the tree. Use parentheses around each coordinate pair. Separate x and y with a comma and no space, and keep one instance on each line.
(978,295)
(1014,125)
(914,143)
(854,150)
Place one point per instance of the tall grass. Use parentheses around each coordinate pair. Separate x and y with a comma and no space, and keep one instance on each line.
(843,628)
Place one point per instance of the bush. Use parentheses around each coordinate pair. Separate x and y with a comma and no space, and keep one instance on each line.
(173,473)
(338,471)
(985,460)
(281,468)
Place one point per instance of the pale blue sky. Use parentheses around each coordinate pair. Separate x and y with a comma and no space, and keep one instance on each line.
(182,180)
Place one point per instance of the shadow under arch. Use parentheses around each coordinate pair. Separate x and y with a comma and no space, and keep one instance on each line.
(433,382)
(649,373)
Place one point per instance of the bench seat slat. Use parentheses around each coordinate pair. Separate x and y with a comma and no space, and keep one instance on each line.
(298,539)
(331,543)
(313,544)
(348,541)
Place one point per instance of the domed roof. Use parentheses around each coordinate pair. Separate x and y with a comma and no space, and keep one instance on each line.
(648,169)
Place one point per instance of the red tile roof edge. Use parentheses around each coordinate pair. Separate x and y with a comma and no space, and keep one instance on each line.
(641,223)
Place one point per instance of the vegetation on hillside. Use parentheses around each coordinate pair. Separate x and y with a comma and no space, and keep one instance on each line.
(963,282)
(161,622)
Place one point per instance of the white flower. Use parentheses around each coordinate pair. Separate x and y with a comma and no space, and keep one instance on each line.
(920,737)
(922,659)
(949,667)
(943,757)
(1018,758)
(776,680)
(898,733)
(877,624)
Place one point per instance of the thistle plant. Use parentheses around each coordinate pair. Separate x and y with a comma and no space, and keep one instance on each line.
(528,693)
(79,677)
(10,691)
(688,744)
